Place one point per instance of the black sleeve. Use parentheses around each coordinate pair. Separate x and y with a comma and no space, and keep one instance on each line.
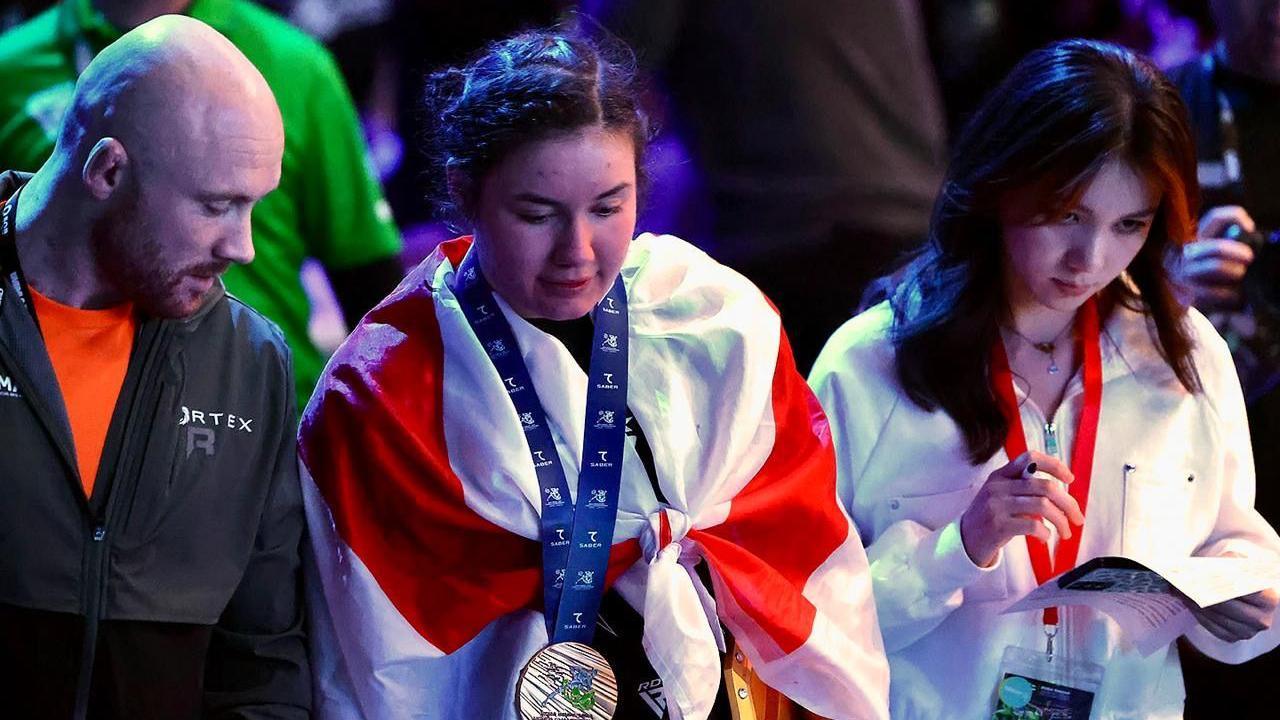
(359,288)
(257,665)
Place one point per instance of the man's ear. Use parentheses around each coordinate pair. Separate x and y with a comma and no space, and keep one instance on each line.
(105,168)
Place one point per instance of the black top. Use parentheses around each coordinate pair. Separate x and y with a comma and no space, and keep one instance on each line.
(838,125)
(1256,107)
(620,629)
(1257,113)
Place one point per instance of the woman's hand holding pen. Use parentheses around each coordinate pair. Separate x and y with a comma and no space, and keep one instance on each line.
(1013,502)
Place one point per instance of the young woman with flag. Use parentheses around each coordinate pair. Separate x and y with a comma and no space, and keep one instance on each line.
(1033,395)
(546,474)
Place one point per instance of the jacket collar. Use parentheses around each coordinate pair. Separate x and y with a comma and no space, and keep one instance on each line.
(10,181)
(1130,347)
(1128,350)
(23,350)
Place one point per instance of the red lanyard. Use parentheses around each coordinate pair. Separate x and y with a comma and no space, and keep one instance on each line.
(1015,442)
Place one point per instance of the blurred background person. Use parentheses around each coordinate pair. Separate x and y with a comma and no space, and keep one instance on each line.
(974,43)
(1233,94)
(817,132)
(328,206)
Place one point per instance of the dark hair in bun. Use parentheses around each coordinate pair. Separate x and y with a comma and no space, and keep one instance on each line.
(529,87)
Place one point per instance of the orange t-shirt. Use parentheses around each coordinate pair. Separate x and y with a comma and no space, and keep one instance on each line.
(90,353)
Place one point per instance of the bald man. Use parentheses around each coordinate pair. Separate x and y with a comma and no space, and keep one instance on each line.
(150,519)
(329,206)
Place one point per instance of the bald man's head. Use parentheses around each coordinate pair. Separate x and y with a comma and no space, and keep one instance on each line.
(160,82)
(173,136)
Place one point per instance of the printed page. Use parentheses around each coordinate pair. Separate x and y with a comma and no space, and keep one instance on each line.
(1150,601)
(1211,580)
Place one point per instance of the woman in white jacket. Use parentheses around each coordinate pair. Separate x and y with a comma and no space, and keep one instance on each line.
(1033,395)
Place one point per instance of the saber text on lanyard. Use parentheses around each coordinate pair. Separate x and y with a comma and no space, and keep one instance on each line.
(576,539)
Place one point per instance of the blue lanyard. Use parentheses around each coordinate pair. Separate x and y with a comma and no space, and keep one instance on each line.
(575,540)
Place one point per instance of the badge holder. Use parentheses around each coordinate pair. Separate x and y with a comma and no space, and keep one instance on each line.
(1040,685)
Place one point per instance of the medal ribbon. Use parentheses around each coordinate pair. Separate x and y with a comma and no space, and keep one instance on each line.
(576,540)
(1015,443)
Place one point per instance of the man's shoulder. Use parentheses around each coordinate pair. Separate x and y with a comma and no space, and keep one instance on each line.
(229,325)
(863,347)
(257,327)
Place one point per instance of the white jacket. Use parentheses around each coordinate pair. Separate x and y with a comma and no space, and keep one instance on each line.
(905,478)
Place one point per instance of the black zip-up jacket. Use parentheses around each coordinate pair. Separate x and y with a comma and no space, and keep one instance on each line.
(173,592)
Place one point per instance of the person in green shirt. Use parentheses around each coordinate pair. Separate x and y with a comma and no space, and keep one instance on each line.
(328,206)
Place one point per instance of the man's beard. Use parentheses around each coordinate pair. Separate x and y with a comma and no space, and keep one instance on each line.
(130,256)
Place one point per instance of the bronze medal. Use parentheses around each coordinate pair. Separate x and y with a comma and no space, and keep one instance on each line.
(567,681)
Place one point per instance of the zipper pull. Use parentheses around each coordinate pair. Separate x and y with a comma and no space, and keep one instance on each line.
(1051,438)
(1124,503)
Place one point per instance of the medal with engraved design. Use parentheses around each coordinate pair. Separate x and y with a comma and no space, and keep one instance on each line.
(567,681)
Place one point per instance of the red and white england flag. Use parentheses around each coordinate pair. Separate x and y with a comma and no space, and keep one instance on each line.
(425,567)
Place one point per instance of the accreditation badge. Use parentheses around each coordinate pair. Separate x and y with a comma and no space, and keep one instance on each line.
(567,681)
(1039,686)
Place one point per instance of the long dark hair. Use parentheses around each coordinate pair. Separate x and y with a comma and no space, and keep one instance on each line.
(526,88)
(1062,114)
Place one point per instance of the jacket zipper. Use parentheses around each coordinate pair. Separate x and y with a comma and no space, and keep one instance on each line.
(1127,470)
(95,572)
(1053,446)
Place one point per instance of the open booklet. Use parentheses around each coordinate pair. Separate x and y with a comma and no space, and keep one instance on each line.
(1149,599)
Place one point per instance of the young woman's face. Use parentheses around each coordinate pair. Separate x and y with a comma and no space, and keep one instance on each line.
(1059,262)
(553,221)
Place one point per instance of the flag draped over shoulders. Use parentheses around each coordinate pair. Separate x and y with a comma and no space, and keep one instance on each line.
(423,503)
